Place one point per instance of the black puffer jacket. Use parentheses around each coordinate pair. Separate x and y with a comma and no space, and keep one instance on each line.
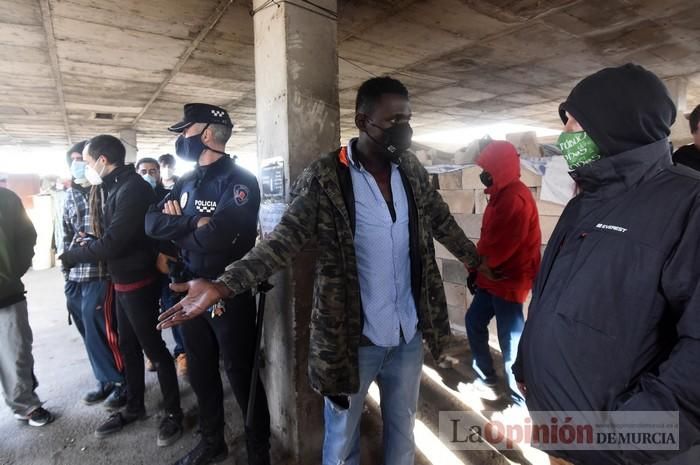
(614,322)
(130,254)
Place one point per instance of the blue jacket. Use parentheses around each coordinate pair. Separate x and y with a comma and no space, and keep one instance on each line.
(222,191)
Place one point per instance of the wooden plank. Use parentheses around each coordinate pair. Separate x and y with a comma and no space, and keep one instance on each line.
(114,14)
(213,20)
(18,55)
(28,84)
(118,72)
(199,80)
(20,12)
(80,93)
(103,83)
(53,59)
(30,98)
(183,10)
(189,94)
(22,35)
(112,107)
(28,71)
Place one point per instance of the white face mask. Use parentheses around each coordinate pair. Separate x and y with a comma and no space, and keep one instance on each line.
(93,176)
(168,172)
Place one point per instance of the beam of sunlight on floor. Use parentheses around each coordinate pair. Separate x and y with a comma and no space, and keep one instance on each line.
(431,446)
(472,401)
(469,399)
(426,441)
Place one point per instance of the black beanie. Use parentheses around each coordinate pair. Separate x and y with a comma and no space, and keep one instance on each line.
(621,108)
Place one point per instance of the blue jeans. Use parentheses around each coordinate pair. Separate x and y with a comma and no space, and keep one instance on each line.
(397,371)
(91,306)
(510,322)
(167,300)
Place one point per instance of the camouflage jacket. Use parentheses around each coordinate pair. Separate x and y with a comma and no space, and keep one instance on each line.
(319,211)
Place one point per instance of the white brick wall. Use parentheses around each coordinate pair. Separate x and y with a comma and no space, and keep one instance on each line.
(464,193)
(459,201)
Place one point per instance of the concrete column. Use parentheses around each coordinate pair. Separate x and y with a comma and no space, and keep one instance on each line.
(296,88)
(128,138)
(680,131)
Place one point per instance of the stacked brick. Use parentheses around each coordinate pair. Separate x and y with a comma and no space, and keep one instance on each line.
(464,193)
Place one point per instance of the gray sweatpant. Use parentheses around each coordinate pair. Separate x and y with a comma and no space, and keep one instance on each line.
(16,361)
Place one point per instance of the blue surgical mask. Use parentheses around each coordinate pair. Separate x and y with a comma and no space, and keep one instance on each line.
(77,170)
(149,179)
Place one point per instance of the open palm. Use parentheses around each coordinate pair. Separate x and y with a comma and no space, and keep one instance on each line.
(201,295)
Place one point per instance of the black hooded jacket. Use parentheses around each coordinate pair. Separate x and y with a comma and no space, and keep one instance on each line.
(614,323)
(130,254)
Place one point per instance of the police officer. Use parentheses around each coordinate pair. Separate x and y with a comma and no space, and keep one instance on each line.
(211,215)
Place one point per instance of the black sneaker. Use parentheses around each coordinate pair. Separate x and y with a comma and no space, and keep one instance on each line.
(38,417)
(205,453)
(99,394)
(116,422)
(117,398)
(170,430)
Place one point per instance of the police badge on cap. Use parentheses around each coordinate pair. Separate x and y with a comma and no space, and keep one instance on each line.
(201,113)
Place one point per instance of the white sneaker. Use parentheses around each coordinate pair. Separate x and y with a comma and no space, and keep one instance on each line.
(37,417)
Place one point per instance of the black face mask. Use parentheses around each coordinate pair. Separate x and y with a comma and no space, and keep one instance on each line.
(486,178)
(397,139)
(190,148)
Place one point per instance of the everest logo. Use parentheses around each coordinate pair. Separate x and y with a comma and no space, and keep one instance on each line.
(610,227)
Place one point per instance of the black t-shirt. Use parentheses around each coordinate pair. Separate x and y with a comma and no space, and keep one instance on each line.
(688,155)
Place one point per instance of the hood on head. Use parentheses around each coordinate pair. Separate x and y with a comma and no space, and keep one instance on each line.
(501,160)
(621,108)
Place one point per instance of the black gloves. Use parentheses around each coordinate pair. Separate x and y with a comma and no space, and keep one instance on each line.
(66,261)
(471,282)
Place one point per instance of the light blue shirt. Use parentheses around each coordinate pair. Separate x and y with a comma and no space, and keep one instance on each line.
(382,247)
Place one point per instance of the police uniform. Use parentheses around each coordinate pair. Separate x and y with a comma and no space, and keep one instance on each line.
(230,196)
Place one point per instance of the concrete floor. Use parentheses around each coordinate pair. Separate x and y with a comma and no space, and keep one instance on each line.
(64,375)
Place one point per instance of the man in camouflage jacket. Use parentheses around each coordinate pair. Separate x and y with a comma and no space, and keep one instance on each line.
(323,209)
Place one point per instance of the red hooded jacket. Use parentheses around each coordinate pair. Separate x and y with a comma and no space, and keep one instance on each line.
(510,232)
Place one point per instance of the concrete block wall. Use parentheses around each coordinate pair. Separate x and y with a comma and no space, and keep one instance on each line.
(464,193)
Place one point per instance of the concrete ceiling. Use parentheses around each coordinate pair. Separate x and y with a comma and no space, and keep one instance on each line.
(465,62)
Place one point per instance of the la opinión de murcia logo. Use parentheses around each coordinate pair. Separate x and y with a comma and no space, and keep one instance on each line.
(562,430)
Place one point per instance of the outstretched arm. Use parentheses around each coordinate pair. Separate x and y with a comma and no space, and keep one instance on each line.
(296,228)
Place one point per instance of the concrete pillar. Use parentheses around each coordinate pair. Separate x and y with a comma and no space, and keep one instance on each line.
(128,138)
(296,88)
(680,131)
